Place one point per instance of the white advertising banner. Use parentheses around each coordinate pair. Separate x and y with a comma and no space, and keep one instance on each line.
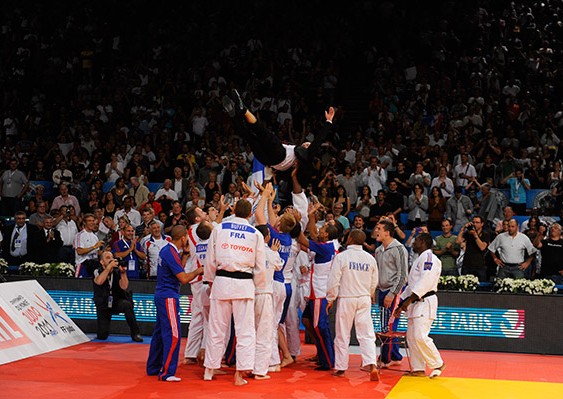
(32,323)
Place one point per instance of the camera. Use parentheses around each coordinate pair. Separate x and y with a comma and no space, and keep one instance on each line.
(121,262)
(470,227)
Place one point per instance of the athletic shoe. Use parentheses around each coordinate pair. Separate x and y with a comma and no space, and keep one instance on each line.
(173,378)
(437,372)
(239,107)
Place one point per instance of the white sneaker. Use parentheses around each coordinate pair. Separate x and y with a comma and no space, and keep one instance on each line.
(173,378)
(208,374)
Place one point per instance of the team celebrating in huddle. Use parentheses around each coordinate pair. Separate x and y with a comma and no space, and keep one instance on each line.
(251,272)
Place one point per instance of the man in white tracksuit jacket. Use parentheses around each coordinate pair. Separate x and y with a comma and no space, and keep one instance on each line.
(353,279)
(420,303)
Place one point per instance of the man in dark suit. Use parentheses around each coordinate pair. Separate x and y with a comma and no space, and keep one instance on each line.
(16,237)
(44,242)
(180,184)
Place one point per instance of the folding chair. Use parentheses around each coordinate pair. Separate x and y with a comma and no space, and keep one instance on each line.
(388,337)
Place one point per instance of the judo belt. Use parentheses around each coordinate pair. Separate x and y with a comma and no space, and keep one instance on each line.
(429,293)
(237,275)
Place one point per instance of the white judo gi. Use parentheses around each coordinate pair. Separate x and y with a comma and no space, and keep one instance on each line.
(423,278)
(235,248)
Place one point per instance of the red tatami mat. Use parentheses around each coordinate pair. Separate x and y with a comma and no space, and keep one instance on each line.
(117,370)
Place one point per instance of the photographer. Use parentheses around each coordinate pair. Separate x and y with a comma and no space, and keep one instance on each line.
(476,240)
(111,296)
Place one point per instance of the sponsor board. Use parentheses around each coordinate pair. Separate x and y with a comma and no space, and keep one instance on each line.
(470,322)
(31,322)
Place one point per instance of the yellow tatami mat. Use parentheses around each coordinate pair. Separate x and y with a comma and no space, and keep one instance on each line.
(471,388)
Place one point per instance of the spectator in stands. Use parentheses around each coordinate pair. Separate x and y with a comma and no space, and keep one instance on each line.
(166,195)
(62,174)
(181,184)
(68,231)
(132,214)
(152,244)
(16,240)
(350,181)
(109,205)
(464,171)
(44,242)
(551,250)
(147,217)
(39,172)
(37,218)
(401,176)
(459,209)
(139,191)
(375,176)
(487,171)
(420,176)
(65,198)
(519,185)
(114,169)
(379,209)
(417,205)
(447,249)
(444,183)
(476,240)
(128,250)
(512,252)
(337,210)
(175,218)
(119,191)
(92,203)
(342,197)
(436,209)
(87,247)
(13,185)
(155,205)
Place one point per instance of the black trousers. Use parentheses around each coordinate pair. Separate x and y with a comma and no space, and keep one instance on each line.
(120,305)
(265,145)
(269,150)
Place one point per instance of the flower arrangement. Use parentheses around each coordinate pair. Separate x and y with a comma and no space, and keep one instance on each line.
(47,269)
(458,283)
(3,266)
(524,286)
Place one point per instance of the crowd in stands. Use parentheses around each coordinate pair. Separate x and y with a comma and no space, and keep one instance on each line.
(116,108)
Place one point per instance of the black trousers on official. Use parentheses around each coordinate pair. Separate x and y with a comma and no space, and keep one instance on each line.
(120,305)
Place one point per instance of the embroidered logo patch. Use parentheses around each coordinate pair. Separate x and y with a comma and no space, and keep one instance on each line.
(427,265)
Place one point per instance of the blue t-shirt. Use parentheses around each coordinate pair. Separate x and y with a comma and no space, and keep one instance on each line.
(517,190)
(169,264)
(324,251)
(284,251)
(131,260)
